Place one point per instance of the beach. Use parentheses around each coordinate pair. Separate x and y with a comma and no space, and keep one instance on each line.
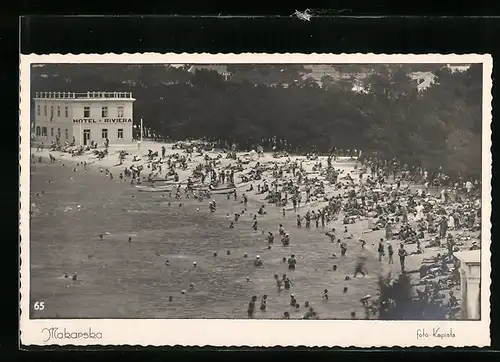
(121,279)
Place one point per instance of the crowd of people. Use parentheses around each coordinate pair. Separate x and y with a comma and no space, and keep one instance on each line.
(415,209)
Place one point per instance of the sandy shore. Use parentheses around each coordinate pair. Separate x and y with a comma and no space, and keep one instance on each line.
(111,162)
(357,230)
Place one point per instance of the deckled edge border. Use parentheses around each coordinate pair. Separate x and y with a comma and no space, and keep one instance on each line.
(486,61)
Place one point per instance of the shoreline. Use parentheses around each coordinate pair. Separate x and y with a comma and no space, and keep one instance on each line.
(413,261)
(254,199)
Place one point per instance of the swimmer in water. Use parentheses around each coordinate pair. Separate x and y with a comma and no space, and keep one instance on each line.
(251,307)
(325,294)
(263,303)
(360,267)
(279,282)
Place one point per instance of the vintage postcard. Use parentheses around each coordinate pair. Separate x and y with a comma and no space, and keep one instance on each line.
(255,200)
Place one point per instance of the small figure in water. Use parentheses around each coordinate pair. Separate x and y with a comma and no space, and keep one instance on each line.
(285,240)
(263,303)
(325,294)
(360,267)
(343,248)
(279,282)
(257,261)
(251,307)
(292,262)
(287,282)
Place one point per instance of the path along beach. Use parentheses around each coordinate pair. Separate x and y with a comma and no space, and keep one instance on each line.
(125,273)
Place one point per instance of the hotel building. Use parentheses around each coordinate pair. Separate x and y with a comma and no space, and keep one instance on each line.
(83,117)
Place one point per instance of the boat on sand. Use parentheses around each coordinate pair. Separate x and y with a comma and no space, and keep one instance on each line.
(141,188)
(222,190)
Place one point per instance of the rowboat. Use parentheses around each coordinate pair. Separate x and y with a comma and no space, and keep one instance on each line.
(223,190)
(152,189)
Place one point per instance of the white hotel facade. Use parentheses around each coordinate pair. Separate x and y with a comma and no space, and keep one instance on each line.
(83,117)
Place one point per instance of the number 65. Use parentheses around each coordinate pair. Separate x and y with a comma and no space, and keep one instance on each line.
(38,306)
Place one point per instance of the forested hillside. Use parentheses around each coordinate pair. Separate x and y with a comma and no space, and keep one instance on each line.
(439,126)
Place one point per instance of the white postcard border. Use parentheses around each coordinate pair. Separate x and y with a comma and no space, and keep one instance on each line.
(254,333)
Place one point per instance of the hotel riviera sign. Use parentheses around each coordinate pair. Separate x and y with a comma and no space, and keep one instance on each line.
(102,120)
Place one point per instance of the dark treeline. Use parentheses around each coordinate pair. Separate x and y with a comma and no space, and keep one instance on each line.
(437,127)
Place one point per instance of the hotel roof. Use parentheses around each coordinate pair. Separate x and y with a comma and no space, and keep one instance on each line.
(91,95)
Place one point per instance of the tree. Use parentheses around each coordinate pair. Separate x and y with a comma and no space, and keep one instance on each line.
(439,126)
(398,302)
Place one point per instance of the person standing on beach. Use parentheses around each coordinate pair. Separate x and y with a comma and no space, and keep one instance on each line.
(443,227)
(402,255)
(404,211)
(380,249)
(390,251)
(388,230)
(308,219)
(450,244)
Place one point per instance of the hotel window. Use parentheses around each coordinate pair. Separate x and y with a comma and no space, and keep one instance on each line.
(44,131)
(45,110)
(38,110)
(120,111)
(104,133)
(66,133)
(104,111)
(58,111)
(51,112)
(120,133)
(51,132)
(86,112)
(59,132)
(38,131)
(66,111)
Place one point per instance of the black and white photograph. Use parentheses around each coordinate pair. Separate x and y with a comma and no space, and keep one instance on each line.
(259,191)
